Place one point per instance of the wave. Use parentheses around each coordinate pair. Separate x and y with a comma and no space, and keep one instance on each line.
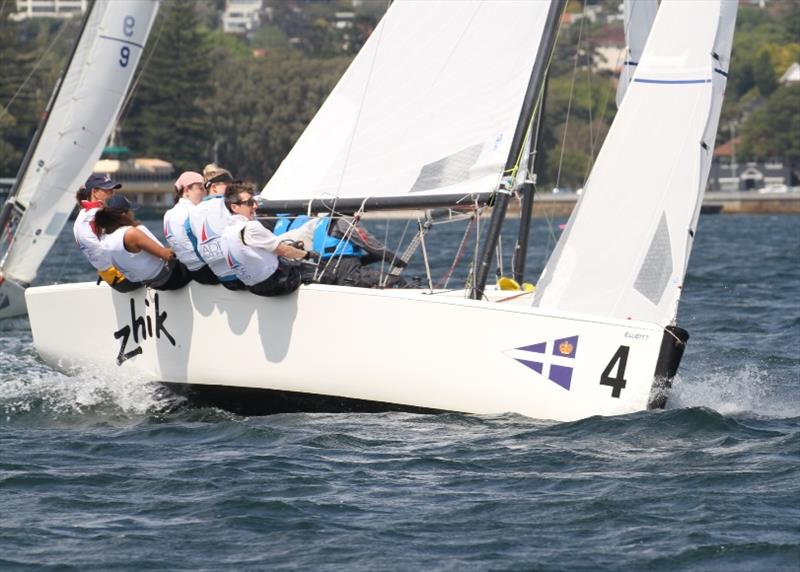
(93,396)
(746,390)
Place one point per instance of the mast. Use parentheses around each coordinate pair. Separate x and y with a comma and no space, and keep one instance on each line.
(504,192)
(23,168)
(528,191)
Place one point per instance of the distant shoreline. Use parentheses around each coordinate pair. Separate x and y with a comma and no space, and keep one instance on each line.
(561,205)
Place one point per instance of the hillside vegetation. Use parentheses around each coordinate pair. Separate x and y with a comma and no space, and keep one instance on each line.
(248,99)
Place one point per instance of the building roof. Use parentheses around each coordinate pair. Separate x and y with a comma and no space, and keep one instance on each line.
(726,149)
(792,74)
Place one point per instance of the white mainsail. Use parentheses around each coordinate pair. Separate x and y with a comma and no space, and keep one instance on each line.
(639,17)
(626,247)
(423,114)
(81,119)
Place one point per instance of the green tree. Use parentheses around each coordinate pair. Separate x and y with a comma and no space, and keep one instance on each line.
(773,130)
(764,74)
(263,107)
(33,54)
(168,118)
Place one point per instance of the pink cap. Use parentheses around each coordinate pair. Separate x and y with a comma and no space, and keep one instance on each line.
(188,178)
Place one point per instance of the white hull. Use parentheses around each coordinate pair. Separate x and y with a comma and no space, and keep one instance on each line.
(329,348)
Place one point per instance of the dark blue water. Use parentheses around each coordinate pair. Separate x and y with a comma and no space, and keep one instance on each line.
(98,474)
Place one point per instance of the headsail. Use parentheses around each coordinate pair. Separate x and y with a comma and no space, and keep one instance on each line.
(639,16)
(626,247)
(428,107)
(84,113)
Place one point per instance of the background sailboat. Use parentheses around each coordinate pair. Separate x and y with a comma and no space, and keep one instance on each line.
(80,117)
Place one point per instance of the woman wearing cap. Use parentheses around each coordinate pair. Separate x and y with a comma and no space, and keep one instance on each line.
(190,190)
(135,251)
(96,190)
(206,223)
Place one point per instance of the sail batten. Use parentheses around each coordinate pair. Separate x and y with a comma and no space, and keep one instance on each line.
(626,247)
(427,108)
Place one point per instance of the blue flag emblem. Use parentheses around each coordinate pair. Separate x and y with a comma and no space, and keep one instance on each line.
(553,359)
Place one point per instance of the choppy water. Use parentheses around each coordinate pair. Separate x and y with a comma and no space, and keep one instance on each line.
(100,474)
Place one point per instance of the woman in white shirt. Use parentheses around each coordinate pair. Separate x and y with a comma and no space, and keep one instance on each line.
(135,251)
(190,190)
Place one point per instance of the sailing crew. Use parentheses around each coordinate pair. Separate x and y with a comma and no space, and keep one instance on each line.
(135,251)
(90,197)
(345,248)
(190,189)
(257,257)
(206,223)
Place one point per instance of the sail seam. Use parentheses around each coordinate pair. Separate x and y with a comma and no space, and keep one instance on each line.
(121,41)
(671,81)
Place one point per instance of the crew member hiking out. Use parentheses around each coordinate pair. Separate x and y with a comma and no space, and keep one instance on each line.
(259,259)
(190,192)
(90,197)
(206,223)
(135,251)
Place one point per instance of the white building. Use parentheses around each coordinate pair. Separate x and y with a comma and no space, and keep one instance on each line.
(49,8)
(241,16)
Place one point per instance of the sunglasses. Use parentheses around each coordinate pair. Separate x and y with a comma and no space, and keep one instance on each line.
(251,202)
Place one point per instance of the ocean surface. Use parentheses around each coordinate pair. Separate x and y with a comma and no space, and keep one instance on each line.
(98,474)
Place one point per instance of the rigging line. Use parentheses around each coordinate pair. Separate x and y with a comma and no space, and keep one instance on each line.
(3,6)
(536,106)
(549,216)
(383,258)
(591,105)
(351,228)
(358,120)
(600,134)
(399,244)
(47,50)
(445,280)
(569,103)
(475,255)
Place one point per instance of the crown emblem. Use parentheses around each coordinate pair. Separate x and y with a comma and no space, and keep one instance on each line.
(565,348)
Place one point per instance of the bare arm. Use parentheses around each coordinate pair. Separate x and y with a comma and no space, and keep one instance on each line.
(288,251)
(137,241)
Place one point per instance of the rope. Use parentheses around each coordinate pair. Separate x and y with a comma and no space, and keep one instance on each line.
(445,280)
(33,71)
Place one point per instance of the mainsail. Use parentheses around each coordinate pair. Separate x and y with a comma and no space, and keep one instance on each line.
(428,108)
(82,116)
(625,250)
(639,16)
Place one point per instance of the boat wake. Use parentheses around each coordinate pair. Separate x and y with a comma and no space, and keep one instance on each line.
(30,389)
(748,390)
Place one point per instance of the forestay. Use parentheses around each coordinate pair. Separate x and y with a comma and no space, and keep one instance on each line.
(625,250)
(82,117)
(639,16)
(428,107)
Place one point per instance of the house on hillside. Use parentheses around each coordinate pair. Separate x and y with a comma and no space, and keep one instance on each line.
(727,174)
(791,75)
(241,16)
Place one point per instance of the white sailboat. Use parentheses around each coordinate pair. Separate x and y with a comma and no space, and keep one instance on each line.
(441,120)
(80,116)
